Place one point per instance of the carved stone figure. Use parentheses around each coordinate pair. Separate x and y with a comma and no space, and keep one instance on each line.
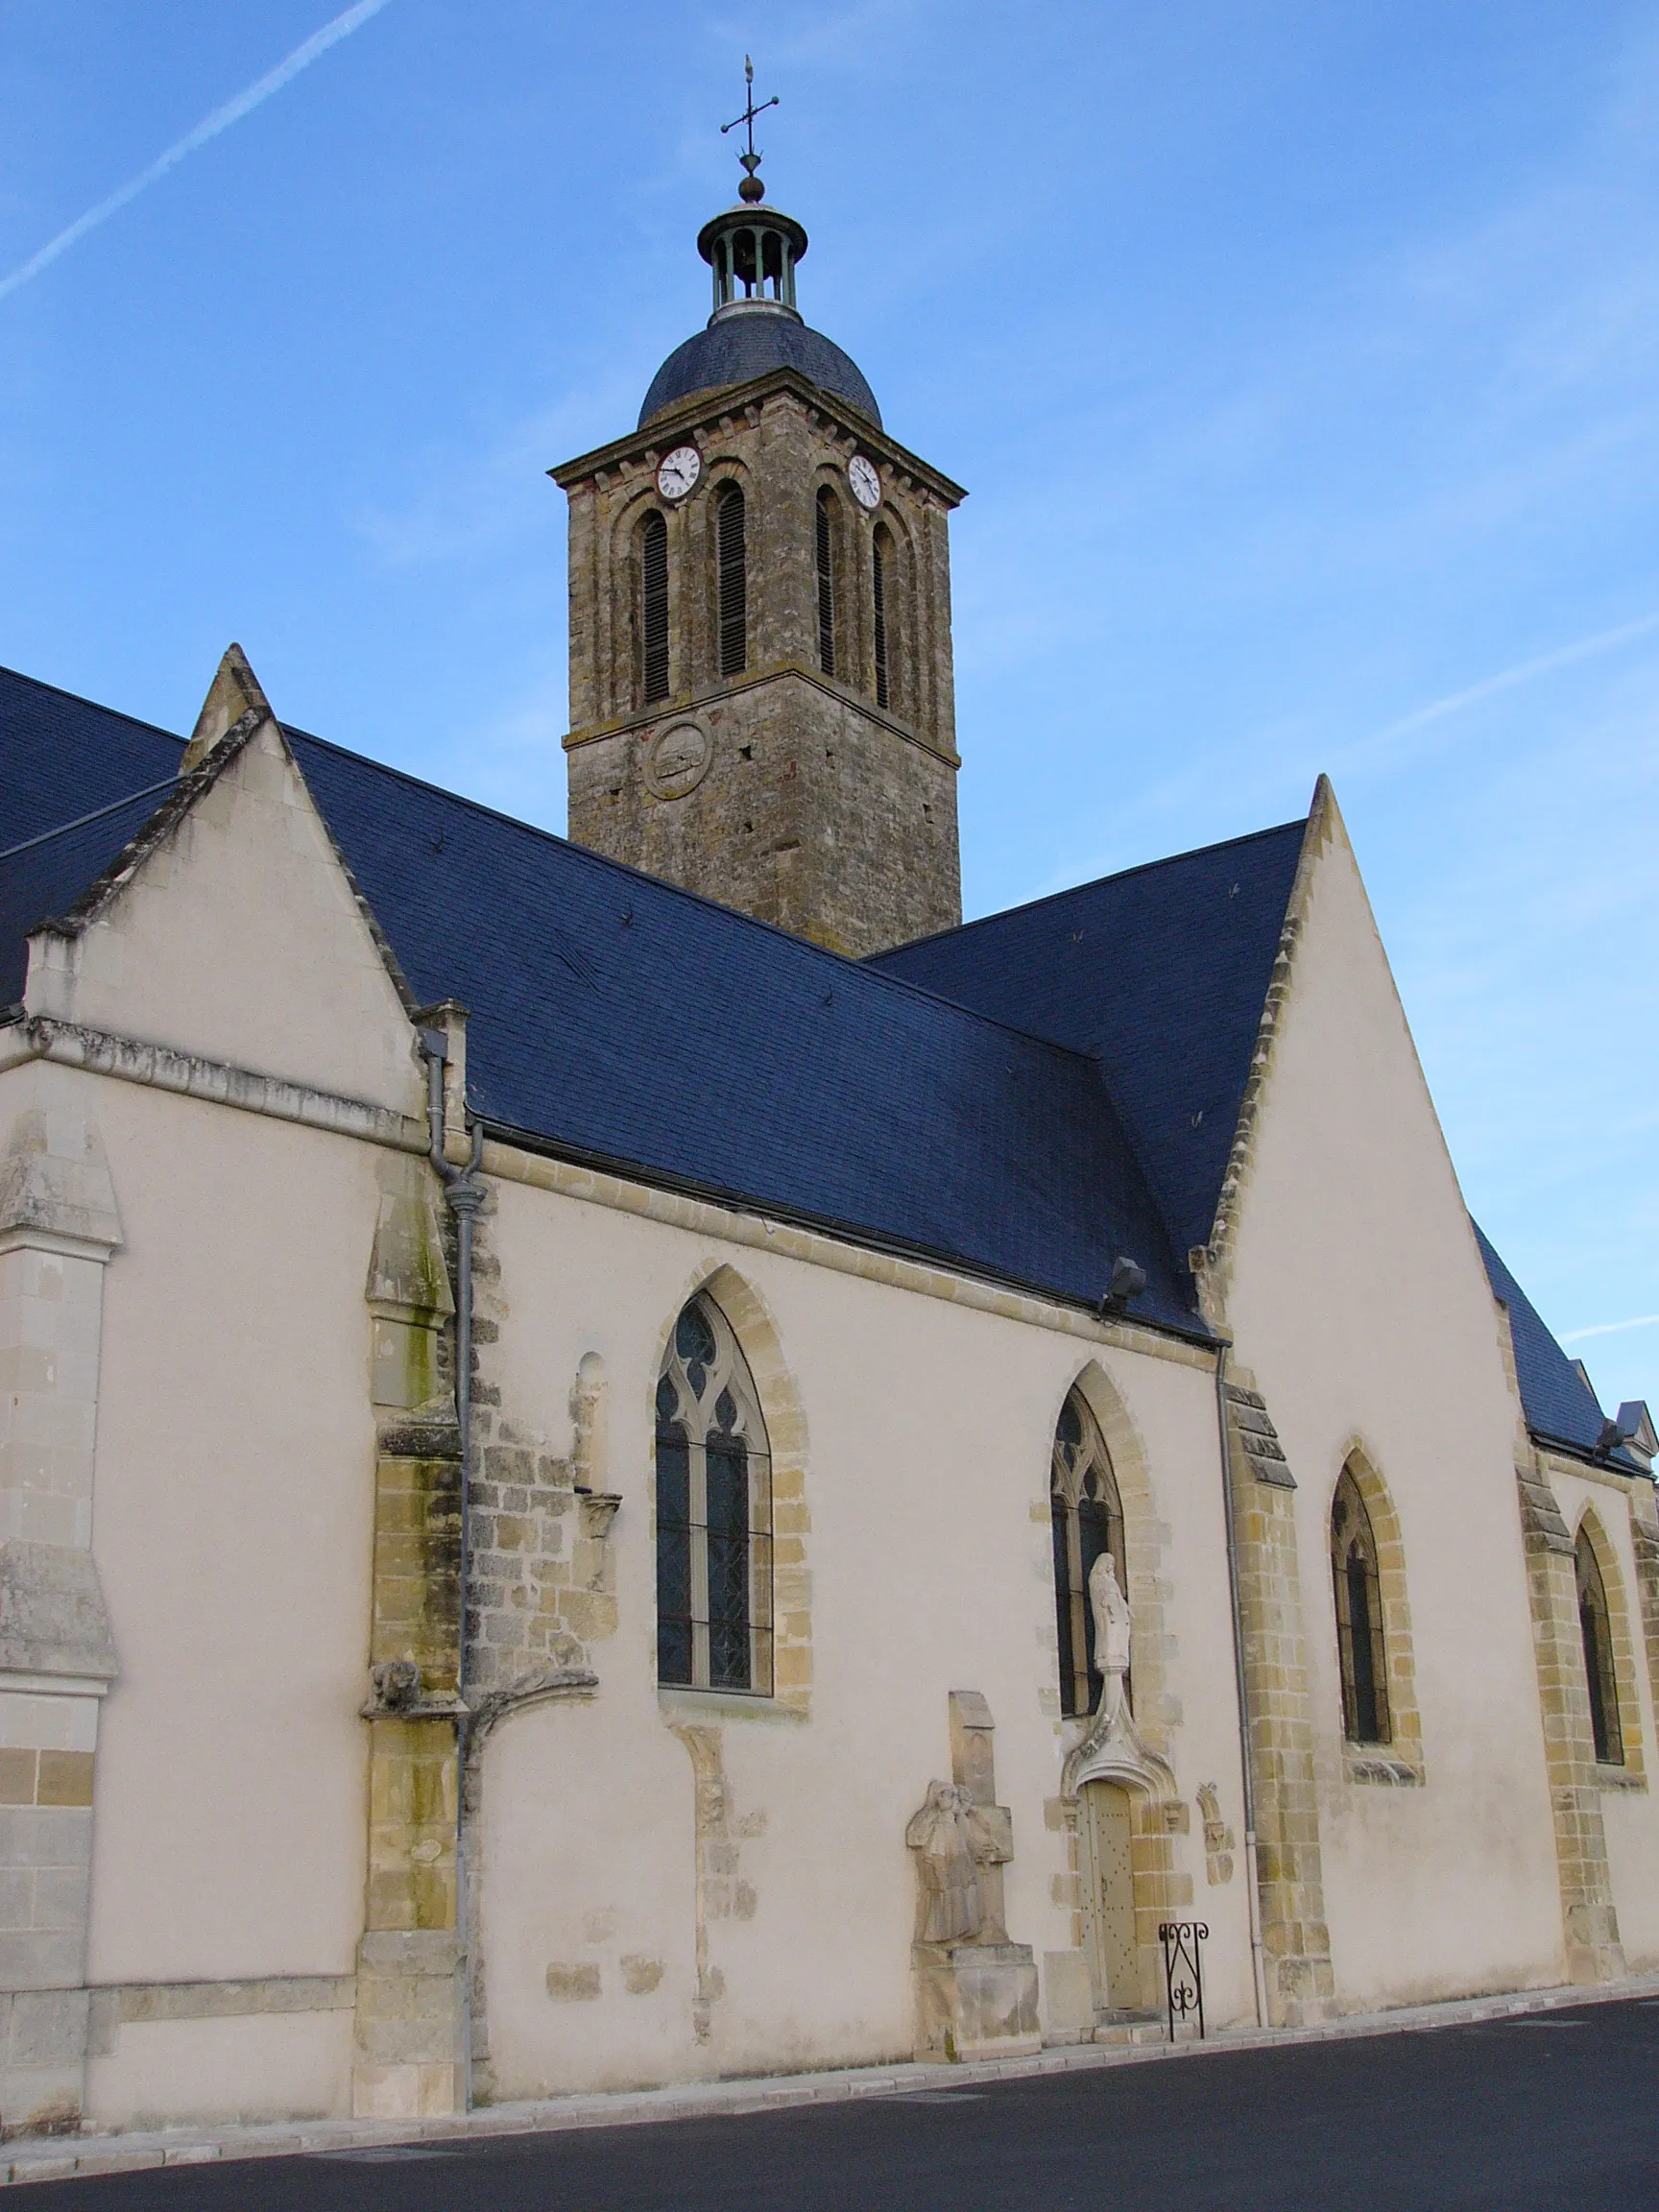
(950,1838)
(1111,1631)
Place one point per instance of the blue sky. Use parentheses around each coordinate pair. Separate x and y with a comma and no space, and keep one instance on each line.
(1302,362)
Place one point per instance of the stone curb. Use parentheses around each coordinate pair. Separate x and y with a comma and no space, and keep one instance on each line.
(60,2158)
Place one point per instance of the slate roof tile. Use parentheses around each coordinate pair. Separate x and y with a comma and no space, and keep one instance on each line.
(1558,1403)
(1159,974)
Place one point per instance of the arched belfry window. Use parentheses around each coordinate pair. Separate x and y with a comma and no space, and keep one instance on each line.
(1087,1518)
(826,548)
(881,579)
(654,608)
(733,562)
(714,1512)
(1596,1629)
(1358,1596)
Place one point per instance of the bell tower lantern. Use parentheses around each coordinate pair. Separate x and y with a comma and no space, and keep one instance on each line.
(761,703)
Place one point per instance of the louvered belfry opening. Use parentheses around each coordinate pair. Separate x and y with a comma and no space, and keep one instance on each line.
(654,607)
(878,568)
(733,557)
(827,582)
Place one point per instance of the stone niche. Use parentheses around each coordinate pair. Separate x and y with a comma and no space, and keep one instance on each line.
(975,1990)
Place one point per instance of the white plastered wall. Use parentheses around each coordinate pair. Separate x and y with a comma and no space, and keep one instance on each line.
(1358,1299)
(233,1513)
(239,939)
(929,1427)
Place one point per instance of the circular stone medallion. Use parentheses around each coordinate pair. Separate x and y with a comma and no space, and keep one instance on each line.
(677,759)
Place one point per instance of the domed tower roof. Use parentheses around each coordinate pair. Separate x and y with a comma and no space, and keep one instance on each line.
(738,346)
(756,326)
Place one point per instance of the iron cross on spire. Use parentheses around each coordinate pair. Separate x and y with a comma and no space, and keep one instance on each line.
(751,188)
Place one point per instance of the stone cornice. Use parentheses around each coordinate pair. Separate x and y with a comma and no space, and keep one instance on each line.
(712,695)
(218,1083)
(672,427)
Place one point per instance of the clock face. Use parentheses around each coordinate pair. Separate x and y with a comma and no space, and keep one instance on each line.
(678,471)
(866,484)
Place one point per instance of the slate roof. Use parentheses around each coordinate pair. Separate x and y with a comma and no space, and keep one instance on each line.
(903,1100)
(618,1018)
(1159,975)
(1559,1404)
(735,348)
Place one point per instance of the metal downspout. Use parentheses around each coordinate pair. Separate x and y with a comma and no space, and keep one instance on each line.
(464,1194)
(1258,1964)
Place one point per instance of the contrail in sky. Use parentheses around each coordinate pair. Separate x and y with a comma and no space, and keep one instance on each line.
(1585,649)
(1610,1328)
(221,119)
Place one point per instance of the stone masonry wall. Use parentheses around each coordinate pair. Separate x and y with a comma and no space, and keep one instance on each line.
(785,791)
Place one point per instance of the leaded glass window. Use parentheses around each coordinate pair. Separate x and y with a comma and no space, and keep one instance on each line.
(1595,1630)
(1358,1595)
(1087,1518)
(714,1512)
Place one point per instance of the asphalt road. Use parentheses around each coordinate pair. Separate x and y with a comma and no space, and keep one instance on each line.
(1557,2109)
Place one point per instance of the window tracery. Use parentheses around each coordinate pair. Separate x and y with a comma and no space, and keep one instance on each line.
(1086,1516)
(1358,1596)
(714,1512)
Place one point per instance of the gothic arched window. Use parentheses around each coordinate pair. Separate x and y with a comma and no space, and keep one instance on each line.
(882,580)
(1596,1629)
(714,1512)
(1358,1596)
(1087,1517)
(733,564)
(826,581)
(654,608)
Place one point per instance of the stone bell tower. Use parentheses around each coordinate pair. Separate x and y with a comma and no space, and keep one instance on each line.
(760,687)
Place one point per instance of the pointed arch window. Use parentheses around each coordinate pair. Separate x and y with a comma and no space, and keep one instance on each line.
(1358,1594)
(733,563)
(654,608)
(1087,1518)
(881,583)
(826,548)
(714,1512)
(1596,1632)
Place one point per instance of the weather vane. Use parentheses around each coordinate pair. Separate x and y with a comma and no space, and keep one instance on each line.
(751,188)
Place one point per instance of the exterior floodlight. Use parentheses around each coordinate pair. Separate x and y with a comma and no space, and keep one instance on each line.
(1128,1282)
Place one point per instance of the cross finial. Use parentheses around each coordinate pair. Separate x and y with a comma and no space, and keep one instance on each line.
(751,188)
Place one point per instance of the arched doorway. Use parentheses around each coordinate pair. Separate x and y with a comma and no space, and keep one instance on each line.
(1109,1897)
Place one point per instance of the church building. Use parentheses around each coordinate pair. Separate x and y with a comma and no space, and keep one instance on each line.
(643,1457)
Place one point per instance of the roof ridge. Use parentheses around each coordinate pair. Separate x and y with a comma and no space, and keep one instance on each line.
(1093,883)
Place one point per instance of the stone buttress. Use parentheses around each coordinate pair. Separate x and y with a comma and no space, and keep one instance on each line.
(59,1229)
(410,2053)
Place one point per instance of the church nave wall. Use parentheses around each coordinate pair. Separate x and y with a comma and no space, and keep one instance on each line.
(678,1881)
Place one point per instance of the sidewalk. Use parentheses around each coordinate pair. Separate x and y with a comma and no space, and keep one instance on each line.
(57,2158)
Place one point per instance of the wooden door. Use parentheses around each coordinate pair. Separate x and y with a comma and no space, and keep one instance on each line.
(1110,1898)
